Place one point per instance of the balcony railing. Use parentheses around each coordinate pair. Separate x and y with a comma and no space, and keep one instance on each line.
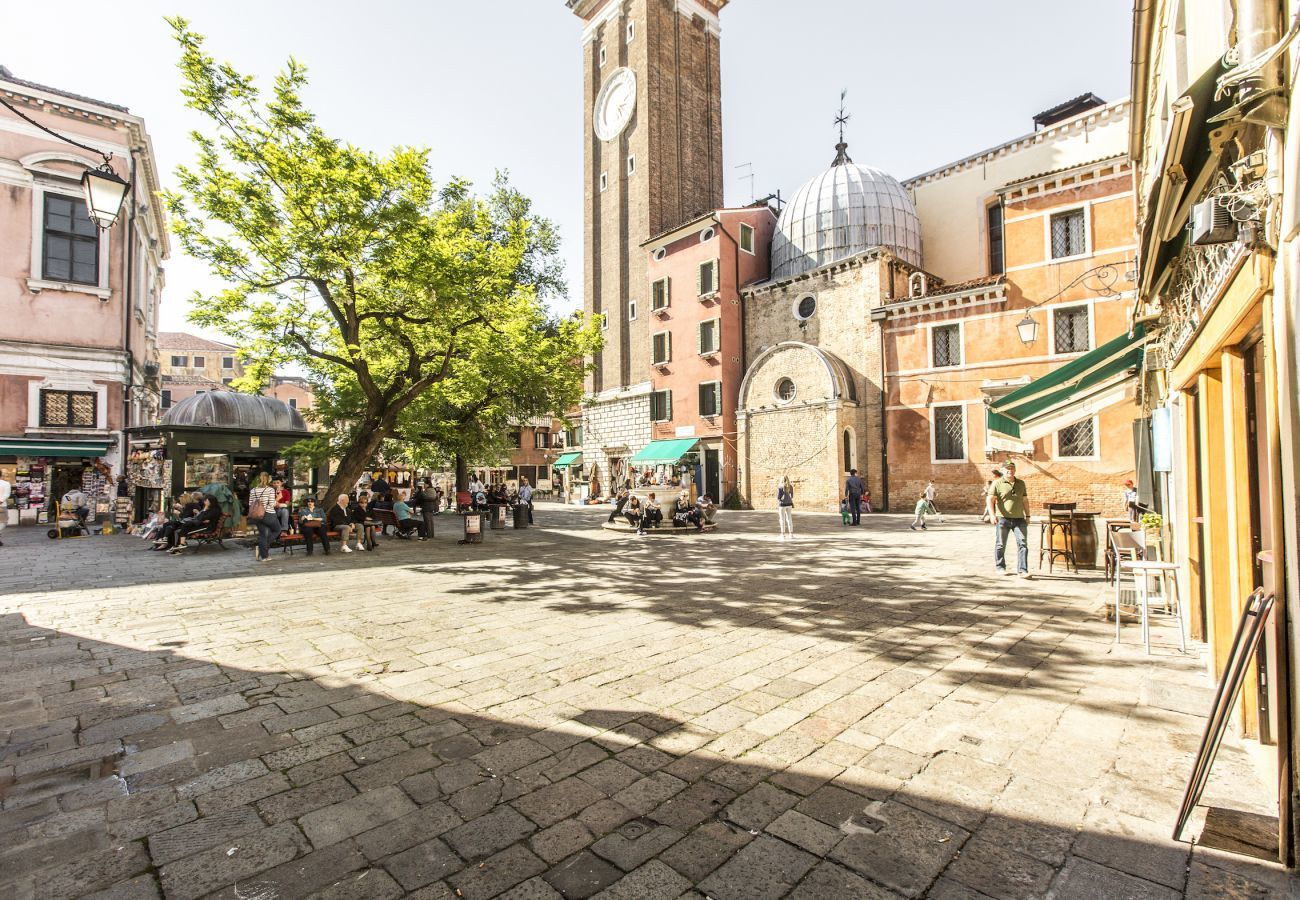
(1199,275)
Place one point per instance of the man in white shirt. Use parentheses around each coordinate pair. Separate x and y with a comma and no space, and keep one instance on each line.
(526,497)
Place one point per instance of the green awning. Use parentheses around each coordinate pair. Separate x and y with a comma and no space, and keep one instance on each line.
(566,460)
(1073,392)
(657,452)
(33,447)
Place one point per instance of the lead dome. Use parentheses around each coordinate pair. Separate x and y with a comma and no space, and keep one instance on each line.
(227,409)
(841,212)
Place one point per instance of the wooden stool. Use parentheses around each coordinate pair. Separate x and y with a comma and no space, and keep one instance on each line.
(1060,521)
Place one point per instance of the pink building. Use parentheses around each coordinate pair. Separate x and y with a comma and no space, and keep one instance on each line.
(78,351)
(697,342)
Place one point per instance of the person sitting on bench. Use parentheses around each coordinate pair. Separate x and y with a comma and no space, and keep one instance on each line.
(311,522)
(339,519)
(206,518)
(169,536)
(619,502)
(406,523)
(686,513)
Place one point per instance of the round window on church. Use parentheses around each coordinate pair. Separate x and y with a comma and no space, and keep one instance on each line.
(784,390)
(804,307)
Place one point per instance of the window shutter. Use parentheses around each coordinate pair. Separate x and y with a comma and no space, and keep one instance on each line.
(668,346)
(668,405)
(699,280)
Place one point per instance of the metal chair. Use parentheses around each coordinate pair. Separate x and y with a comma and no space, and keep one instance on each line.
(1143,571)
(1060,521)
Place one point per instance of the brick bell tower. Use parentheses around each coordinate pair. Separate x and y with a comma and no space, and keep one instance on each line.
(652,132)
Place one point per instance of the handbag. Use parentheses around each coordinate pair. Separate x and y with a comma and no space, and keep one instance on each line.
(257,510)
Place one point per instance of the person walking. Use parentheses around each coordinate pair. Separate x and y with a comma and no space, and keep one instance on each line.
(854,488)
(1132,505)
(261,513)
(988,515)
(5,490)
(1011,514)
(428,499)
(526,497)
(785,508)
(922,507)
(930,494)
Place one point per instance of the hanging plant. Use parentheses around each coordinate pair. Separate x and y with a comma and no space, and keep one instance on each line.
(1152,522)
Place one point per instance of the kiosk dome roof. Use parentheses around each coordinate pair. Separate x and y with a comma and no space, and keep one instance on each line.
(230,410)
(841,212)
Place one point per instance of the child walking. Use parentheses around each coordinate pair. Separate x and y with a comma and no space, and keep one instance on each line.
(844,511)
(922,508)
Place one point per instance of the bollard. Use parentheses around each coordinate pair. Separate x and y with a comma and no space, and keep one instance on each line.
(498,517)
(521,515)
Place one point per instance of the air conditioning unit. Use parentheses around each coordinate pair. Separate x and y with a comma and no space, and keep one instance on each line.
(1212,222)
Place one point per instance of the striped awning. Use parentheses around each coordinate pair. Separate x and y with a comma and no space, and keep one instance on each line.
(1078,389)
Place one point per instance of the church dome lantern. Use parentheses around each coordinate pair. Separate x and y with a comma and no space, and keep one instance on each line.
(842,212)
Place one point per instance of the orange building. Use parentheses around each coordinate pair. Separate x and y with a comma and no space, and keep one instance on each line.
(1058,255)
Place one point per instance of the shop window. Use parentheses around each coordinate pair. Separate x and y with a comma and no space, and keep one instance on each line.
(661,348)
(660,294)
(1070,332)
(946,345)
(69,409)
(1069,233)
(949,433)
(70,243)
(1077,441)
(746,237)
(710,336)
(661,406)
(711,398)
(180,362)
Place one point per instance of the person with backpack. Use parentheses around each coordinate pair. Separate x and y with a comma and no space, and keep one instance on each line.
(785,508)
(261,513)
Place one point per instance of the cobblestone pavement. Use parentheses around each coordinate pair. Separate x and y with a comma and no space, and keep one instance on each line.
(566,712)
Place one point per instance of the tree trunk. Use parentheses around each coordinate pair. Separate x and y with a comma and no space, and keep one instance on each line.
(355,462)
(462,473)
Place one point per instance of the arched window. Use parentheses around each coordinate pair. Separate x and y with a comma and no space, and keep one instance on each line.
(848,450)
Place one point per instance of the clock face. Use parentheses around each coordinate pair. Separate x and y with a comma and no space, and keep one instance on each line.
(615,104)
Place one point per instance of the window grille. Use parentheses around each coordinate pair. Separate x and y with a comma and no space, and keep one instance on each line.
(947,345)
(1068,235)
(1079,439)
(1070,330)
(69,409)
(949,432)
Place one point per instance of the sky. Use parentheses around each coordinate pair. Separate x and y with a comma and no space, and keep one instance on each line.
(497,85)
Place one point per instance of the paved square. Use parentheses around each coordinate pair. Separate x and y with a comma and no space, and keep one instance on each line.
(564,712)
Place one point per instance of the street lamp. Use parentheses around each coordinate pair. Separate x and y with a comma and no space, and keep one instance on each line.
(1028,329)
(104,189)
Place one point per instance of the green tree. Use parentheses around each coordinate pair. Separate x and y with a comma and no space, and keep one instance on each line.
(394,294)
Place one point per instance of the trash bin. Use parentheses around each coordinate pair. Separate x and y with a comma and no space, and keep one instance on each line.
(473,528)
(497,516)
(521,515)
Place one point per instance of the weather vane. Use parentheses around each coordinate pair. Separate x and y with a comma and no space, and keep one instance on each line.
(843,118)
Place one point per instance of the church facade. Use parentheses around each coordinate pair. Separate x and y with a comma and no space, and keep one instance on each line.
(865,324)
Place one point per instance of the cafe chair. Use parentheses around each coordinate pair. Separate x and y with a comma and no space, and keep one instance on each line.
(1144,573)
(1057,527)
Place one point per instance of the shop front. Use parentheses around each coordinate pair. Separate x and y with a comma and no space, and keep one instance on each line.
(220,437)
(568,471)
(669,464)
(42,471)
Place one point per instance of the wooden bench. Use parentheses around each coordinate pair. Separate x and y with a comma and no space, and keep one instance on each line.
(214,535)
(291,539)
(622,526)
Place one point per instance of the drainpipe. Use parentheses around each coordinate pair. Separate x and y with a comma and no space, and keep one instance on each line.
(128,301)
(735,259)
(1257,33)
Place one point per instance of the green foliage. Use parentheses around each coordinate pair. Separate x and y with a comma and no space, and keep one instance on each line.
(409,305)
(1152,521)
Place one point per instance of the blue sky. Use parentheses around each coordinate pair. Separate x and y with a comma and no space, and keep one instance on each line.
(498,85)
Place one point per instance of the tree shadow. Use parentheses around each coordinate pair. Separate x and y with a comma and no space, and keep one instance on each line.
(140,770)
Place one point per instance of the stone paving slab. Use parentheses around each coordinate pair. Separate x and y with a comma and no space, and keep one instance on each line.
(571,712)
